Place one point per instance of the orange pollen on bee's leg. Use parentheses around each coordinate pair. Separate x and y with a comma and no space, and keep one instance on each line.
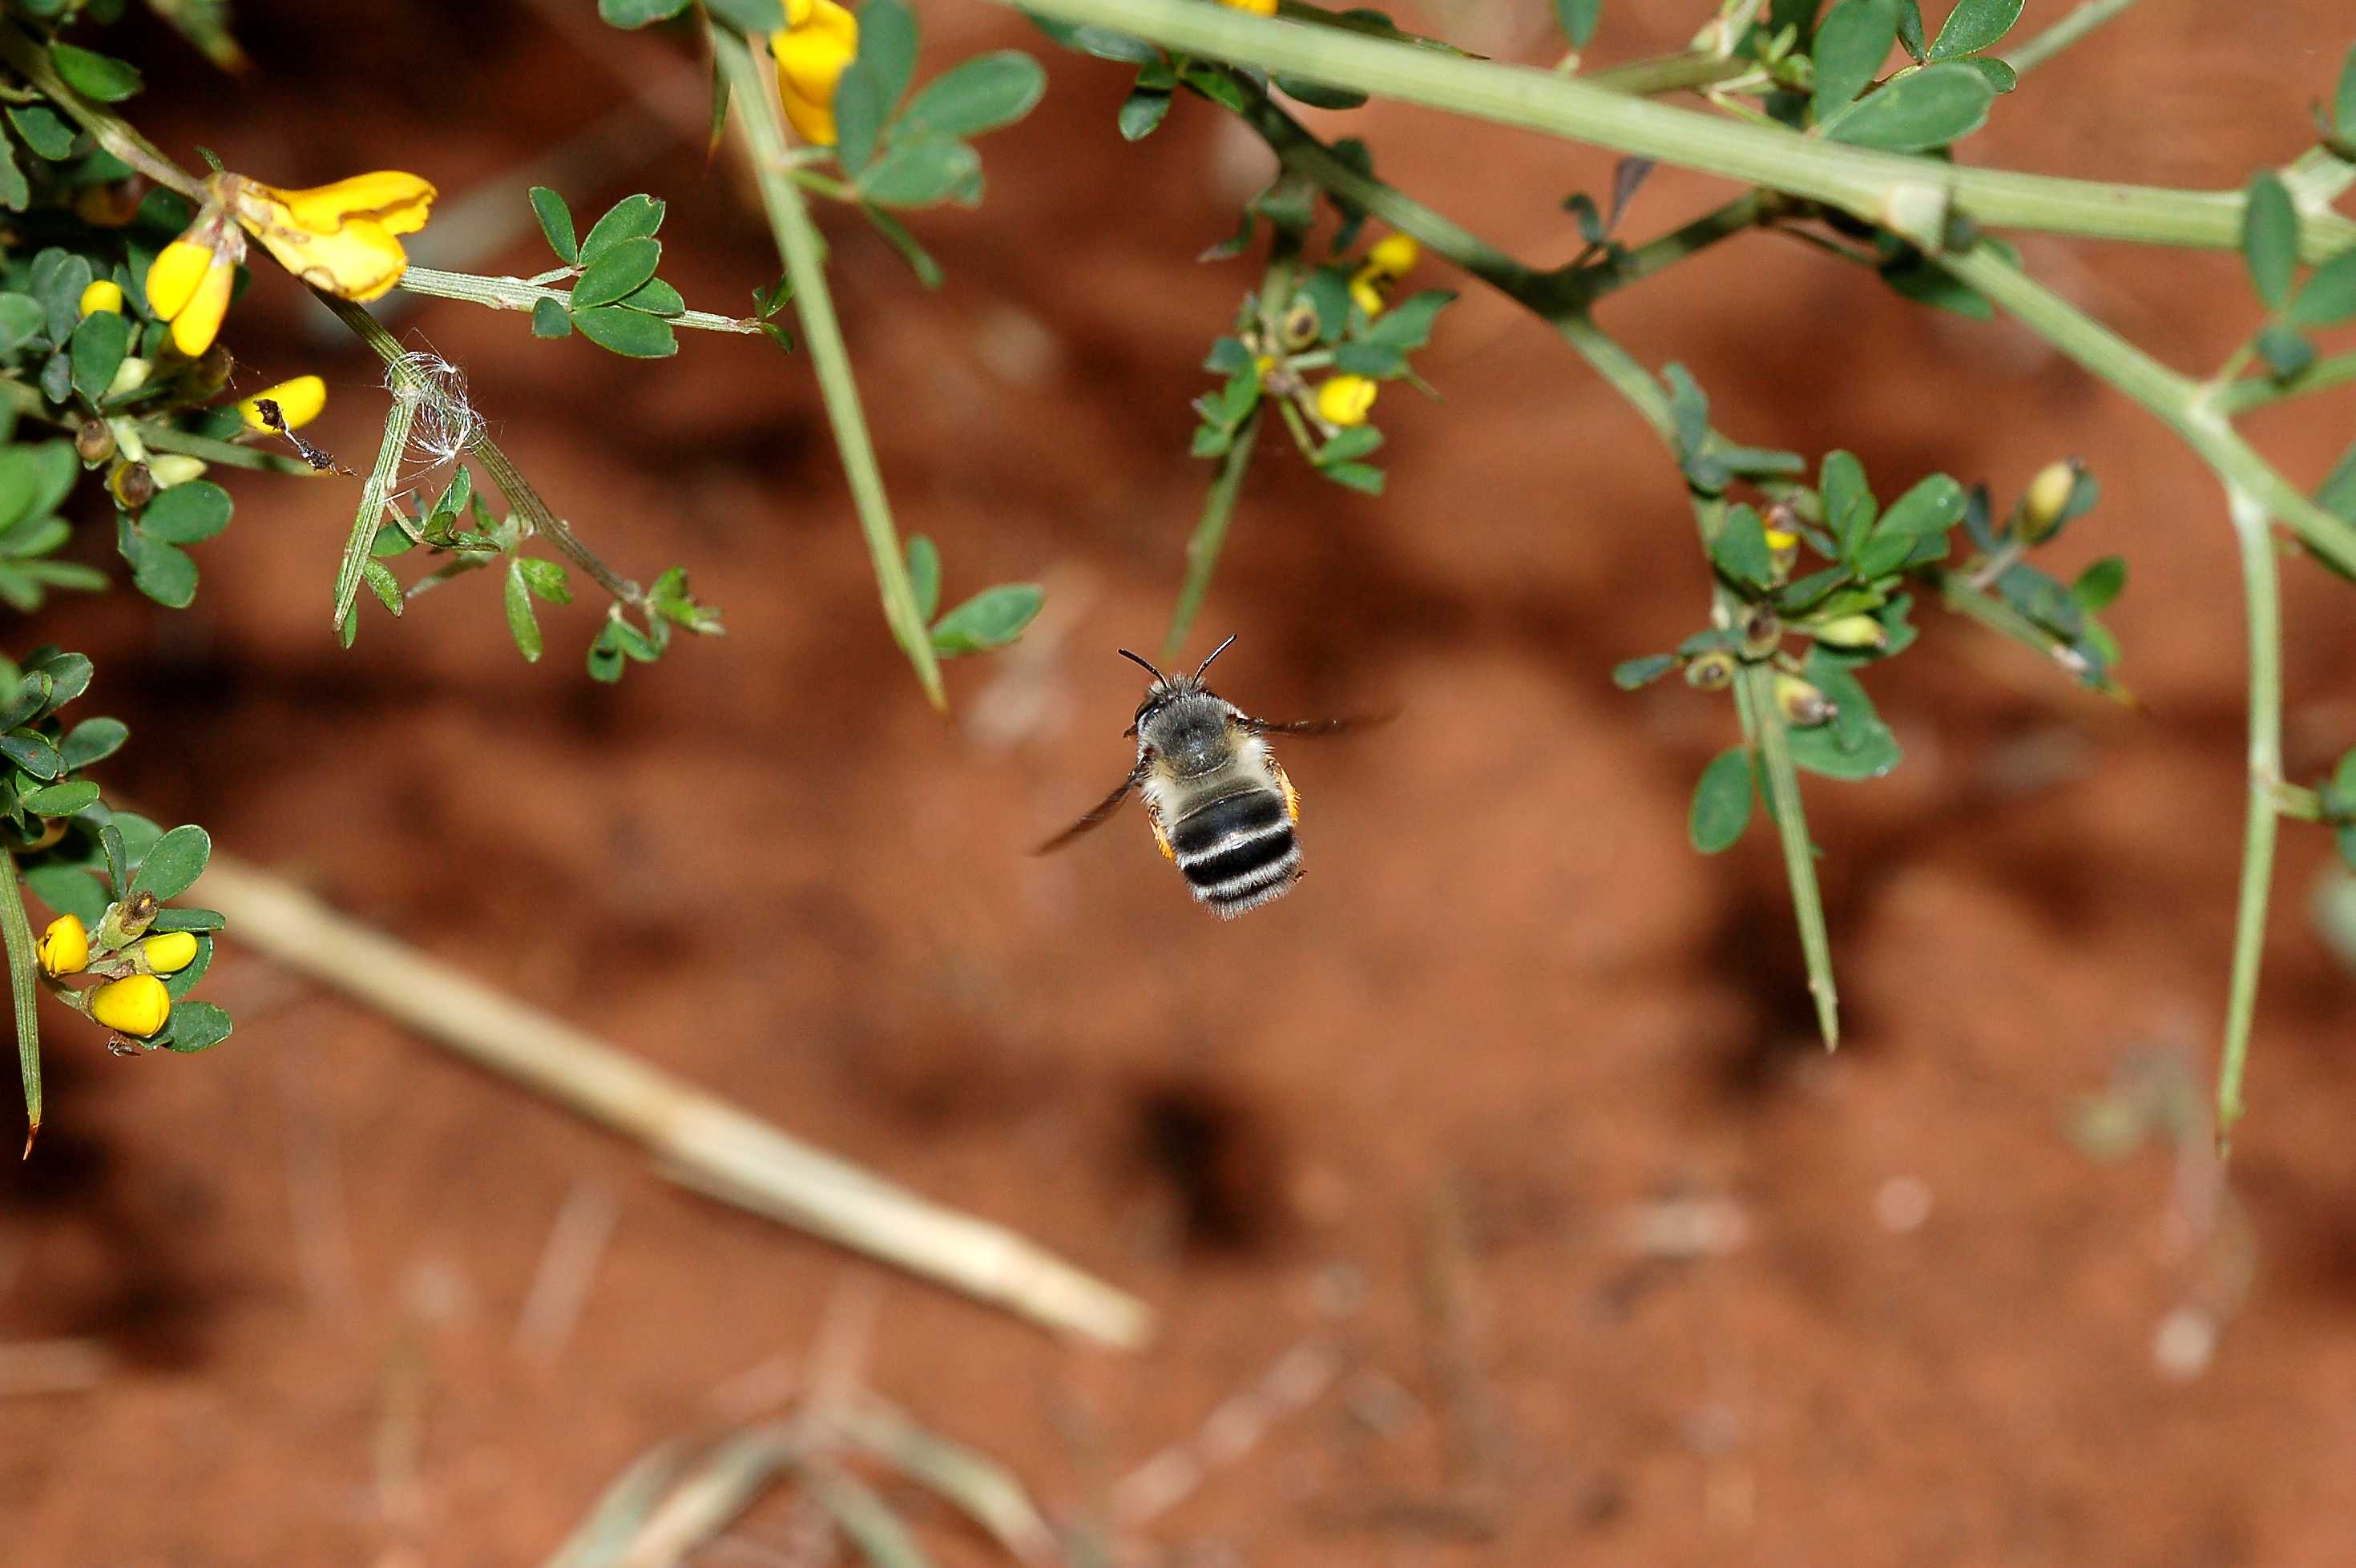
(1161,842)
(1292,795)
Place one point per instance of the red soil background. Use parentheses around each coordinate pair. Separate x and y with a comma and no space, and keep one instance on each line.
(1508,1011)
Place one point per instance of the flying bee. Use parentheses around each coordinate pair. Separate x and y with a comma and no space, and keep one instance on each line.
(1221,807)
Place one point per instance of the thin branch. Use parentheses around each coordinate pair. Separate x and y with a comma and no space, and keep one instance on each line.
(2261,596)
(1210,535)
(523,294)
(2035,52)
(24,965)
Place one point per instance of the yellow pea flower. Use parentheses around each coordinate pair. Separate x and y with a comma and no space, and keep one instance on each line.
(64,947)
(339,238)
(814,47)
(2048,497)
(1367,287)
(299,403)
(1345,400)
(170,953)
(1395,255)
(137,1004)
(1256,7)
(104,294)
(189,281)
(1782,538)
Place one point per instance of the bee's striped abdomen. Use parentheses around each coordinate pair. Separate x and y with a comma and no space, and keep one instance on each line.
(1237,851)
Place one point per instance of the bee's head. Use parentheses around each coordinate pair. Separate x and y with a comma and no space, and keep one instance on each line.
(1166,688)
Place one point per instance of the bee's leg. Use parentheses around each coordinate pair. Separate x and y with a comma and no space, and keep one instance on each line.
(1284,782)
(1161,839)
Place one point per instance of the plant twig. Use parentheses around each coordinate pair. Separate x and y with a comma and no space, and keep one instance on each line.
(2263,598)
(1757,697)
(752,96)
(1210,535)
(522,293)
(24,965)
(698,1138)
(2236,398)
(1865,182)
(2035,52)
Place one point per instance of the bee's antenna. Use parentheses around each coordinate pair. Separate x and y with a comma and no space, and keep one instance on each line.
(1215,654)
(1139,659)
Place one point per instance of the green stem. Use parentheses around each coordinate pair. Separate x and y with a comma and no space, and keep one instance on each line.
(31,61)
(1867,183)
(2262,597)
(1755,693)
(1210,536)
(2185,406)
(2238,398)
(164,438)
(373,496)
(522,293)
(1669,73)
(2069,29)
(1744,213)
(754,96)
(23,966)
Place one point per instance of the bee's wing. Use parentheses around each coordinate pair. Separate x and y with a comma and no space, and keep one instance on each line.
(1097,816)
(1307,727)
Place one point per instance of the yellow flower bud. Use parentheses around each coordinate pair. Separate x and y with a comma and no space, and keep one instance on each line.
(814,47)
(171,468)
(129,376)
(1781,540)
(1801,703)
(171,952)
(1367,288)
(1395,255)
(1256,7)
(64,947)
(2048,498)
(137,1004)
(104,294)
(189,281)
(299,403)
(1852,632)
(1713,671)
(1345,400)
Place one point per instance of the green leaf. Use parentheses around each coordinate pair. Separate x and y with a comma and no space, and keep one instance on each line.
(174,863)
(186,514)
(1849,506)
(93,740)
(15,190)
(116,848)
(200,1026)
(637,13)
(895,234)
(100,77)
(1740,550)
(21,316)
(165,572)
(60,799)
(1972,25)
(2343,101)
(2285,349)
(921,171)
(2338,791)
(1851,43)
(1317,94)
(1348,445)
(1910,28)
(48,136)
(2100,583)
(548,319)
(620,268)
(762,17)
(100,342)
(1918,278)
(1406,326)
(1855,744)
(31,752)
(2269,237)
(1140,113)
(1360,477)
(1722,800)
(555,224)
(625,331)
(197,920)
(925,575)
(887,48)
(985,93)
(632,217)
(655,298)
(522,625)
(1578,20)
(1688,409)
(1631,675)
(990,619)
(383,584)
(1932,507)
(69,890)
(2329,297)
(1927,108)
(860,111)
(1998,74)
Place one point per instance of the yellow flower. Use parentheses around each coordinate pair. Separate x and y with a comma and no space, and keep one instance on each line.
(189,285)
(1256,7)
(1345,400)
(64,947)
(299,403)
(815,46)
(1367,287)
(1395,255)
(137,1004)
(338,237)
(1852,632)
(2048,498)
(170,953)
(104,294)
(1782,538)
